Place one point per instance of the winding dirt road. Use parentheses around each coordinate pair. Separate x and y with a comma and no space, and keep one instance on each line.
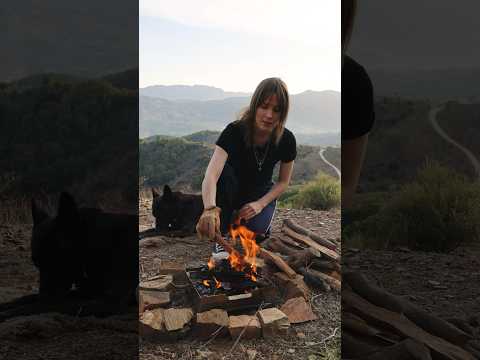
(432,117)
(337,171)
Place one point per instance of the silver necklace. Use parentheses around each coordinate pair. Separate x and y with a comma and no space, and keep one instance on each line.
(261,161)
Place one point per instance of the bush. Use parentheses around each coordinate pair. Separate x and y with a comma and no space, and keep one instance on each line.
(437,212)
(321,194)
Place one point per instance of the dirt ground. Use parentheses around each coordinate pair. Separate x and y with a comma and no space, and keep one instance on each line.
(314,340)
(53,336)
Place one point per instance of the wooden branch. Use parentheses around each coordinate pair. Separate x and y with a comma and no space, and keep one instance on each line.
(301,230)
(405,327)
(325,265)
(328,253)
(313,280)
(277,260)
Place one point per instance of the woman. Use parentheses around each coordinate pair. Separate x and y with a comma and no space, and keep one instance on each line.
(238,180)
(357,110)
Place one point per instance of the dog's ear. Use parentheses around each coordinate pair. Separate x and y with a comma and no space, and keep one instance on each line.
(67,208)
(167,192)
(155,193)
(39,215)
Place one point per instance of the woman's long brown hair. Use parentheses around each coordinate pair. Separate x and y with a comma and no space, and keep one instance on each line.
(267,88)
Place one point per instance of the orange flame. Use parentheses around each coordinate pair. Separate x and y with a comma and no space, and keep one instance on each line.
(211,263)
(247,239)
(206,283)
(218,284)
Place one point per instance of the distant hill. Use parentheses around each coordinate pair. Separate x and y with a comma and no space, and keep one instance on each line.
(394,152)
(185,92)
(160,165)
(312,113)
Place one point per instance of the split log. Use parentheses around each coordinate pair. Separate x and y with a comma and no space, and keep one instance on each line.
(313,280)
(420,317)
(325,265)
(278,261)
(405,350)
(353,347)
(328,253)
(301,230)
(334,283)
(405,326)
(358,325)
(290,242)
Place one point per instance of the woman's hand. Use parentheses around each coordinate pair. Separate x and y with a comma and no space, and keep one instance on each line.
(209,224)
(250,210)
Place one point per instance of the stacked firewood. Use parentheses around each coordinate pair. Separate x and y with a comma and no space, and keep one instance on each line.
(306,253)
(379,325)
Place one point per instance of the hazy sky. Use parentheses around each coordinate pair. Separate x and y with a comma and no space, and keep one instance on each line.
(235,44)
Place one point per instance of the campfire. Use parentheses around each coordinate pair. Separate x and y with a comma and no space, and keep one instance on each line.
(256,291)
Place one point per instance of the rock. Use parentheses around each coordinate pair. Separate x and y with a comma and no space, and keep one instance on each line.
(177,270)
(274,322)
(238,323)
(298,311)
(209,322)
(152,323)
(293,287)
(160,283)
(152,299)
(176,319)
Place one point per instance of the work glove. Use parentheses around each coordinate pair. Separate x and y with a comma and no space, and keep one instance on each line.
(209,223)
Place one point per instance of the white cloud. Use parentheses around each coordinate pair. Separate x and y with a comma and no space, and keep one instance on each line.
(313,22)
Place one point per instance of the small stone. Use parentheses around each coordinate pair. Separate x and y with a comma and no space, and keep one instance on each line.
(301,335)
(291,351)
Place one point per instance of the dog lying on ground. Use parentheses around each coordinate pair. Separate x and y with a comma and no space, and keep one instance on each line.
(176,213)
(87,260)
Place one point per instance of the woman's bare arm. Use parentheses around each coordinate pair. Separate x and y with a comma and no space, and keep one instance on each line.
(212,174)
(353,154)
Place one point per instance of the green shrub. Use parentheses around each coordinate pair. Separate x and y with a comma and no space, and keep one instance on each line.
(321,194)
(437,212)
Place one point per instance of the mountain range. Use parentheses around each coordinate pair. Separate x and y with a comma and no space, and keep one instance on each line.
(182,110)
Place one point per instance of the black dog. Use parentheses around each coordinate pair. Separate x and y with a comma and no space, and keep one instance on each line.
(87,260)
(176,213)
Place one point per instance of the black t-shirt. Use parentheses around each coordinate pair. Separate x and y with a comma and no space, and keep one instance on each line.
(242,158)
(357,100)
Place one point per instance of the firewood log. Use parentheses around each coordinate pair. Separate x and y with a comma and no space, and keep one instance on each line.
(278,261)
(420,317)
(405,326)
(325,265)
(353,347)
(313,280)
(405,350)
(328,253)
(301,230)
(334,283)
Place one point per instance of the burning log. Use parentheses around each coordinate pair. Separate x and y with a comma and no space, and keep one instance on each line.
(328,253)
(301,230)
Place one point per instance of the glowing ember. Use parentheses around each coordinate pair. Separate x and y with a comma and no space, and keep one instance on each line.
(206,283)
(211,263)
